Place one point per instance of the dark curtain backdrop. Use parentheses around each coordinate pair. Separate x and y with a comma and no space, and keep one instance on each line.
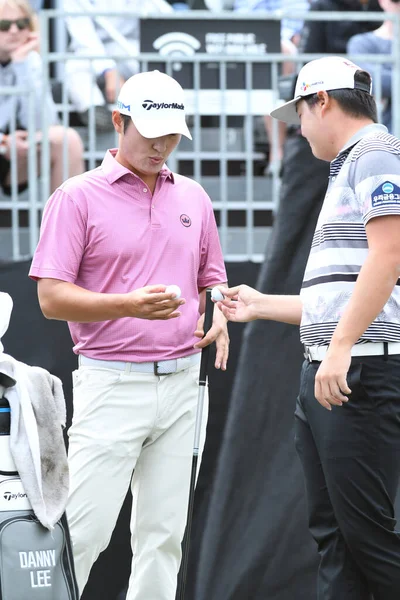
(256,544)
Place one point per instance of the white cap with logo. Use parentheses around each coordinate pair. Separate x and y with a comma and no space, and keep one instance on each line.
(155,103)
(323,74)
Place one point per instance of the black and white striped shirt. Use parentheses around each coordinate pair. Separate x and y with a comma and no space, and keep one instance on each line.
(364,183)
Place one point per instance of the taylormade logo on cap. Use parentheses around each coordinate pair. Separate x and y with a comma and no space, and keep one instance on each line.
(155,103)
(149,104)
(323,74)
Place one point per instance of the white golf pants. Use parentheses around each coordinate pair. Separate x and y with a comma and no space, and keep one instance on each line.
(124,423)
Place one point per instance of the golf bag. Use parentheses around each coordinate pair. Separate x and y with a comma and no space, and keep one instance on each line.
(34,562)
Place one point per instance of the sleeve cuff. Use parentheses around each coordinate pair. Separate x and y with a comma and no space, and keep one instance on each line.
(36,273)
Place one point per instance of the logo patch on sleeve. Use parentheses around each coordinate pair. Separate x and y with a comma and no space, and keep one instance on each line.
(387,193)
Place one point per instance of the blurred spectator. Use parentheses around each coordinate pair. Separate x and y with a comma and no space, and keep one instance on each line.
(179,4)
(290,32)
(290,28)
(379,41)
(96,83)
(332,36)
(219,5)
(20,65)
(36,5)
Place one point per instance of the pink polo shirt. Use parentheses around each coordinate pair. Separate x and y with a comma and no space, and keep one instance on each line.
(106,232)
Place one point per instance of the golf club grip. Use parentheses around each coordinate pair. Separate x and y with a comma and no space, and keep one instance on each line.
(208,319)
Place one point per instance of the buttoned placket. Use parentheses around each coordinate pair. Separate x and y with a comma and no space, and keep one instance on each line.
(153,213)
(145,194)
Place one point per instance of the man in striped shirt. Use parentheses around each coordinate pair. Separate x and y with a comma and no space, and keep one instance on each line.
(349,316)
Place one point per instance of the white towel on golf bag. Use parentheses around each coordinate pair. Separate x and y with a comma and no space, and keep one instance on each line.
(38,415)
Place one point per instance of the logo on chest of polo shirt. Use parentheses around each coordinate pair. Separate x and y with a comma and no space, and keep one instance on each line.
(185,220)
(386,194)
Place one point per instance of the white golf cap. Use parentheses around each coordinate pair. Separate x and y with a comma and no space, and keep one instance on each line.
(155,103)
(323,74)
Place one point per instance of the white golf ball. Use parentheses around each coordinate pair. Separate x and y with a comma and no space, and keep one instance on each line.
(217,295)
(174,289)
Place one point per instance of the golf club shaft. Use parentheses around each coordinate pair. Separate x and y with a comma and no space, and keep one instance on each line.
(208,318)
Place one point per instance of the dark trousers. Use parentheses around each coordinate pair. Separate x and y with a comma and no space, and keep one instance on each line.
(351,463)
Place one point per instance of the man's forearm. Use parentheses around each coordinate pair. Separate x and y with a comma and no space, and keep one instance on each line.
(372,290)
(285,309)
(65,301)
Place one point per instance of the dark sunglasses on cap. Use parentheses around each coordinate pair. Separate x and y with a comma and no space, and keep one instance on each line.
(5,24)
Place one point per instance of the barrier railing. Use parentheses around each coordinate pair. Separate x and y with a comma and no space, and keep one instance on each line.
(226,156)
(12,204)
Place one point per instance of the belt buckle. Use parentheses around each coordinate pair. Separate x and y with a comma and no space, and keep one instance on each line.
(307,354)
(155,365)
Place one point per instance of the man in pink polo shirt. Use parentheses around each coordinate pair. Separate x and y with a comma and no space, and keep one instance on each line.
(111,241)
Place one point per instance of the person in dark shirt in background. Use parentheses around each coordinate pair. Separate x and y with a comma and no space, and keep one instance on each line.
(329,36)
(379,41)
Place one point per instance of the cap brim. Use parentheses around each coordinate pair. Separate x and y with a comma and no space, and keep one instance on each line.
(156,128)
(287,112)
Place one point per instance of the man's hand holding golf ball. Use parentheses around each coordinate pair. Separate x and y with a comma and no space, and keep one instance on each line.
(152,302)
(163,302)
